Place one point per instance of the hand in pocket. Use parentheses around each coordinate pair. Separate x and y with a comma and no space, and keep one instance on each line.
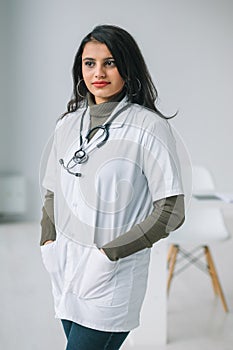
(96,277)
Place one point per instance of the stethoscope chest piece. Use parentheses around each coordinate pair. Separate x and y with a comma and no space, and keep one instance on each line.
(80,156)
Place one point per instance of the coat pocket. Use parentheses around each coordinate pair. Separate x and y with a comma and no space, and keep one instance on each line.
(54,259)
(95,277)
(49,256)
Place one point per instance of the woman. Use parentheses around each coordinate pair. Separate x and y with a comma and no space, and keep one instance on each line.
(113,190)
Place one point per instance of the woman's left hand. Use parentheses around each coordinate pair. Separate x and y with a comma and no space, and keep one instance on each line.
(102,251)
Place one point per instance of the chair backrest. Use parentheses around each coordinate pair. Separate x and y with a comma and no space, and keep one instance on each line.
(202,180)
(203,225)
(204,222)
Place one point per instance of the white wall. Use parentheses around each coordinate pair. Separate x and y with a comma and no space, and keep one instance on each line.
(187,45)
(4,122)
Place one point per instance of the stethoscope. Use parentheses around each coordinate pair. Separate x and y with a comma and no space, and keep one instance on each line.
(81,156)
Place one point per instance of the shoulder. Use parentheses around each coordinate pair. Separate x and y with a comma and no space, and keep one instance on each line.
(147,118)
(153,128)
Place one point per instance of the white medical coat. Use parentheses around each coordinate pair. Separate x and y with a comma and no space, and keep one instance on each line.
(118,185)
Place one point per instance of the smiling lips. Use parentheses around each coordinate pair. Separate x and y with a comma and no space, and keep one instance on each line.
(100,84)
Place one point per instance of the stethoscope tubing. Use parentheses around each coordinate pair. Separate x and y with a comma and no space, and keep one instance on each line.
(84,145)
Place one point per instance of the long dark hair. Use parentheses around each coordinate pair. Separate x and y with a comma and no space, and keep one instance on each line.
(130,63)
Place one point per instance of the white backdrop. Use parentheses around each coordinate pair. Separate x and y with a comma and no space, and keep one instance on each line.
(188,48)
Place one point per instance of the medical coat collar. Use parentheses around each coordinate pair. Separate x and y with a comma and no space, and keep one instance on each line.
(115,120)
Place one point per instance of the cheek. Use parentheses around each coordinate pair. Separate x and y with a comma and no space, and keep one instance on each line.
(87,78)
(86,73)
(118,79)
(120,82)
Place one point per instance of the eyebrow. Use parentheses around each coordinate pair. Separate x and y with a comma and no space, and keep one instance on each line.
(93,59)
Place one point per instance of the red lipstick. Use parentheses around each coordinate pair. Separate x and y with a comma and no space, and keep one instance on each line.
(100,83)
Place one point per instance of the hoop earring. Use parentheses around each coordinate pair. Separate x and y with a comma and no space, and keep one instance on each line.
(77,87)
(139,87)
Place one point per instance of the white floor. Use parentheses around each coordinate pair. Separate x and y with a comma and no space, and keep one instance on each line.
(196,319)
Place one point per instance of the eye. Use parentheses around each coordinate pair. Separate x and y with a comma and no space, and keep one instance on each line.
(110,63)
(89,63)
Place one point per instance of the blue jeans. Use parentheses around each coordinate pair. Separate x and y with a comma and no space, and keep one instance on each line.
(83,338)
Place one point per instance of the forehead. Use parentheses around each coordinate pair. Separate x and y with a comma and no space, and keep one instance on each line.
(95,49)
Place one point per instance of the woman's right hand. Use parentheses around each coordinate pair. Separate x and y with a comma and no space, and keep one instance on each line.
(48,242)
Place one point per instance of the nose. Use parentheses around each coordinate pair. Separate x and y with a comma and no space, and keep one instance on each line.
(100,71)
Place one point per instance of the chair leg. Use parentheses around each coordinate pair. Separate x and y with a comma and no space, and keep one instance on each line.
(172,261)
(170,253)
(215,280)
(211,269)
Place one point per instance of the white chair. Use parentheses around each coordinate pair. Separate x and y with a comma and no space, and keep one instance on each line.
(204,225)
(203,181)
